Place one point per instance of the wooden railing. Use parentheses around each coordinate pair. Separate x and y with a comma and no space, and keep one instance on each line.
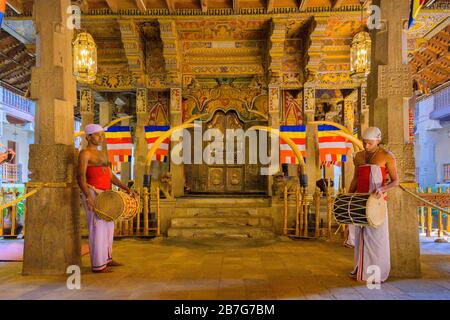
(303,204)
(12,218)
(147,222)
(425,216)
(11,173)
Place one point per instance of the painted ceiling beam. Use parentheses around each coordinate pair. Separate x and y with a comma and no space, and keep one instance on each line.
(303,4)
(170,5)
(141,5)
(113,4)
(335,4)
(204,5)
(236,6)
(16,5)
(270,5)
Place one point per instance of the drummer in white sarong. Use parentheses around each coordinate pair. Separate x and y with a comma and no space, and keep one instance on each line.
(95,175)
(371,169)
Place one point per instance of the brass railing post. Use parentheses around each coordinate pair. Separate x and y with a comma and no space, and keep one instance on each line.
(285,218)
(440,222)
(317,211)
(429,216)
(297,211)
(158,214)
(146,196)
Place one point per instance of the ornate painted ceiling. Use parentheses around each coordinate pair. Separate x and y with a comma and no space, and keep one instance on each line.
(158,43)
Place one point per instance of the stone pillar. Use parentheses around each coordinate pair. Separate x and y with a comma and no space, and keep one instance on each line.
(349,122)
(87,110)
(312,148)
(53,238)
(390,87)
(140,143)
(274,122)
(177,171)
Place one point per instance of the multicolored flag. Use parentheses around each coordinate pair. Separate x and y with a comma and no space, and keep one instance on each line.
(2,10)
(152,133)
(416,5)
(333,148)
(298,135)
(119,144)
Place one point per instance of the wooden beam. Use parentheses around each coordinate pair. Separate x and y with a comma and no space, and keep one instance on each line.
(303,4)
(204,5)
(113,4)
(16,5)
(171,5)
(236,6)
(335,4)
(141,5)
(269,5)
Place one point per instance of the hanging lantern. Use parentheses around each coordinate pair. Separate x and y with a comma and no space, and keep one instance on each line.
(84,58)
(360,55)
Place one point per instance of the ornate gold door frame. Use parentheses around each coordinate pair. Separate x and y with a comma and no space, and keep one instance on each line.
(226,178)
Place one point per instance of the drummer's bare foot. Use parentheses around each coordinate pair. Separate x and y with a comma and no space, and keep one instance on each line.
(345,244)
(352,274)
(114,263)
(105,270)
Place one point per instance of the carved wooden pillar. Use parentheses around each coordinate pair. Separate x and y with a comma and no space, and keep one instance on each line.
(312,149)
(274,97)
(390,87)
(53,238)
(177,170)
(140,143)
(363,109)
(86,109)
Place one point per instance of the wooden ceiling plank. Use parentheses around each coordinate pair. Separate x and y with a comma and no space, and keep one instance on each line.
(269,5)
(171,5)
(113,4)
(236,6)
(204,5)
(303,4)
(141,5)
(16,5)
(336,4)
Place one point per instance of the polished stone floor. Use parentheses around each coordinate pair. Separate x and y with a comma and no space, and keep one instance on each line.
(231,269)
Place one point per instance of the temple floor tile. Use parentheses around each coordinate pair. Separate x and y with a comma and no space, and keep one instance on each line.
(230,269)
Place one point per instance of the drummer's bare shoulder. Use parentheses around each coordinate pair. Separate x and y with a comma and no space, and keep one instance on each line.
(387,156)
(359,158)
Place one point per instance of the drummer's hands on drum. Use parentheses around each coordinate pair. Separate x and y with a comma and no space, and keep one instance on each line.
(380,193)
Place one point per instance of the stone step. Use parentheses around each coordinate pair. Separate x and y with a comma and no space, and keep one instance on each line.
(218,221)
(225,202)
(222,232)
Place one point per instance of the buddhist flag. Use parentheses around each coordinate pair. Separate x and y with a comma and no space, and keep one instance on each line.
(298,135)
(152,133)
(416,5)
(2,10)
(119,144)
(333,148)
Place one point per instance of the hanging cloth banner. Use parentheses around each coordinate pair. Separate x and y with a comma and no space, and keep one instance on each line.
(298,135)
(119,144)
(152,133)
(333,149)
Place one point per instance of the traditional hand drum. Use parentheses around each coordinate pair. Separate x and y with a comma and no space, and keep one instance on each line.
(362,209)
(116,205)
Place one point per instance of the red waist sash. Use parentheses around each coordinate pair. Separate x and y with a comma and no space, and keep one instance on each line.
(99,177)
